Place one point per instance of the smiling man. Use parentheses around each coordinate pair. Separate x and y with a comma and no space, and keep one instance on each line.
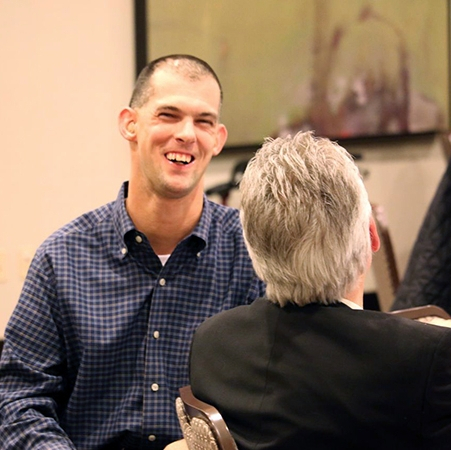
(174,131)
(98,344)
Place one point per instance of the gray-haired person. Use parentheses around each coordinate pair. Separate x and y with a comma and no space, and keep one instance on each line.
(306,367)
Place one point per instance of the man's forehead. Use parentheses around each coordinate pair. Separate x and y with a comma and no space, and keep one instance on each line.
(173,87)
(167,74)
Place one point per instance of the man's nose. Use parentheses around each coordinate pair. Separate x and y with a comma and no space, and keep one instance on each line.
(186,131)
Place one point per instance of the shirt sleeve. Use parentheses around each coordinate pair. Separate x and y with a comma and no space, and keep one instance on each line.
(437,403)
(32,368)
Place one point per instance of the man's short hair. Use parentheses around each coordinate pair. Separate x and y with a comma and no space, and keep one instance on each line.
(189,66)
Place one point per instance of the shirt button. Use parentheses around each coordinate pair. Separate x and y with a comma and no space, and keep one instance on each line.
(138,239)
(198,255)
(154,387)
(124,250)
(156,334)
(151,437)
(162,281)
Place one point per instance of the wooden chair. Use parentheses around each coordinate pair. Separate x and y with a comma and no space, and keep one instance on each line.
(431,314)
(384,265)
(202,425)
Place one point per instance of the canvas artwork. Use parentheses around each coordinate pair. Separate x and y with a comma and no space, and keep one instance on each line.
(344,69)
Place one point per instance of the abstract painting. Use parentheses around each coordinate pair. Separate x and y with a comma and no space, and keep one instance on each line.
(343,69)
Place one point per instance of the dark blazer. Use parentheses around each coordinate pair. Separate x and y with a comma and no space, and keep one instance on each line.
(325,377)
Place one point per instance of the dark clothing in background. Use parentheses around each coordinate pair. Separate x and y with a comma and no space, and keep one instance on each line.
(427,280)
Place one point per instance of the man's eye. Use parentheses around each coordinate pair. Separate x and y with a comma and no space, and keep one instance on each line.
(206,122)
(166,115)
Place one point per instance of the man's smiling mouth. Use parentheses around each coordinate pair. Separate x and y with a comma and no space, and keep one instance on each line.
(179,158)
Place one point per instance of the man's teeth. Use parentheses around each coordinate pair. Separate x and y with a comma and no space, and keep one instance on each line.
(180,158)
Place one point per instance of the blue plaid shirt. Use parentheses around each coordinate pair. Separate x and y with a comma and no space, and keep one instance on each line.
(98,344)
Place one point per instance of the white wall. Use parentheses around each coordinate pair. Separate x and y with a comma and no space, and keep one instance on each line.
(67,67)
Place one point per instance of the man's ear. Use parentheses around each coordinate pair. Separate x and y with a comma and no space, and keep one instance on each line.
(127,124)
(221,138)
(374,235)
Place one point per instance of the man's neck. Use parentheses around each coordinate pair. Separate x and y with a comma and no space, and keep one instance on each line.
(165,222)
(356,294)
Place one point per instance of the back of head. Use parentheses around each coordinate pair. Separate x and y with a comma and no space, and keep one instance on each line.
(305,214)
(188,66)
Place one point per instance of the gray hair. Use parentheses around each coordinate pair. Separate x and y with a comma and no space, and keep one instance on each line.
(305,215)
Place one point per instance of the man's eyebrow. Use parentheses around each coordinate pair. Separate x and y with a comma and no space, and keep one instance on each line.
(168,108)
(209,115)
(206,114)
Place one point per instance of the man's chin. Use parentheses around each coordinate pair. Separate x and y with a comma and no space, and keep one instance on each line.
(177,191)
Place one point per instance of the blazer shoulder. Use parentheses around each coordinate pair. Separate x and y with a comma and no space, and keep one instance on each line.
(242,316)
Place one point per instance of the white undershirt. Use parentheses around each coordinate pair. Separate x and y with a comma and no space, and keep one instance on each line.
(164,258)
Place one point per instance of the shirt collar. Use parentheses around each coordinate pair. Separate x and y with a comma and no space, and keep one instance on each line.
(123,223)
(203,226)
(350,304)
(121,219)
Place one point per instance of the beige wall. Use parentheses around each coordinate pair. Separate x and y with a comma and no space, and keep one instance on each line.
(67,68)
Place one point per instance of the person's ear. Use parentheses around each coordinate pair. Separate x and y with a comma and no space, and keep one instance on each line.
(127,124)
(221,137)
(374,236)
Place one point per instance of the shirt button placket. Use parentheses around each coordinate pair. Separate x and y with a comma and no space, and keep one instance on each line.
(154,374)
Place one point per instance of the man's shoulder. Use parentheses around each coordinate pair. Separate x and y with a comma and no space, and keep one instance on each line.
(399,330)
(82,225)
(225,216)
(243,314)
